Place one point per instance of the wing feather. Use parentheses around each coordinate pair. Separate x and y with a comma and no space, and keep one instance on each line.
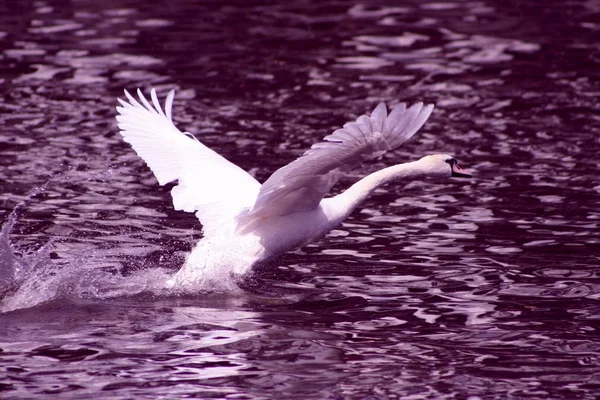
(302,184)
(207,184)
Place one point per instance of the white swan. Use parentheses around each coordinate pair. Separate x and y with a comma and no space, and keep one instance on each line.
(244,222)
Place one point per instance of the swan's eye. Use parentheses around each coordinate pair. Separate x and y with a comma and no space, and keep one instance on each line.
(451,161)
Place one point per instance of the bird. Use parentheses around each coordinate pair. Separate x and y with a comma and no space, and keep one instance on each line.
(246,223)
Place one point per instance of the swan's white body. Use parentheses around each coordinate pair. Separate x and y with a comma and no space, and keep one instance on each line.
(246,223)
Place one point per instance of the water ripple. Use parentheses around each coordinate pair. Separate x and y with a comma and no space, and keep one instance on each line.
(479,289)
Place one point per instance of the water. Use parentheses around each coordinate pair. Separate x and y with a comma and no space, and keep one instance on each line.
(442,290)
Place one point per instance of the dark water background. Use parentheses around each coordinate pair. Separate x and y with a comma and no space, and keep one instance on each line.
(440,290)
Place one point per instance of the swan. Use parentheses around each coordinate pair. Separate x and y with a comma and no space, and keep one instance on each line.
(246,223)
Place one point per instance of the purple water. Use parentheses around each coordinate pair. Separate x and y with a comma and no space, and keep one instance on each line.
(479,289)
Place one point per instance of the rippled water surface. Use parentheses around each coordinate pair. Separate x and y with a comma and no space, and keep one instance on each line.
(486,288)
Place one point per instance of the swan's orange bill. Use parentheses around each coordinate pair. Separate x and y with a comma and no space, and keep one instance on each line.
(458,172)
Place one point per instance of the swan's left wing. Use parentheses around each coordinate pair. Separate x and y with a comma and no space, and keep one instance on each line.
(302,184)
(207,184)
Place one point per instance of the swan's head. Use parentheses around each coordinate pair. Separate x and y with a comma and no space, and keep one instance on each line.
(443,165)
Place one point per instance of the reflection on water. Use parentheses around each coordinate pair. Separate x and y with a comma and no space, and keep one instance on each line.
(487,288)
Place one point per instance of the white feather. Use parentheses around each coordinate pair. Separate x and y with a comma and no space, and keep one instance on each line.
(244,223)
(208,184)
(302,184)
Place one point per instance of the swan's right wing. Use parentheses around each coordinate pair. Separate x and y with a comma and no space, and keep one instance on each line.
(302,184)
(209,185)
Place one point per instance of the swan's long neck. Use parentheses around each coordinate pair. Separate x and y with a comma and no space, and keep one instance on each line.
(344,203)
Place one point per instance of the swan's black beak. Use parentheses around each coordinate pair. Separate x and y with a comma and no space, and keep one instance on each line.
(458,172)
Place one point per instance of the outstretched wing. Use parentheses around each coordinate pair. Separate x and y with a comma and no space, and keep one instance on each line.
(302,184)
(208,184)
